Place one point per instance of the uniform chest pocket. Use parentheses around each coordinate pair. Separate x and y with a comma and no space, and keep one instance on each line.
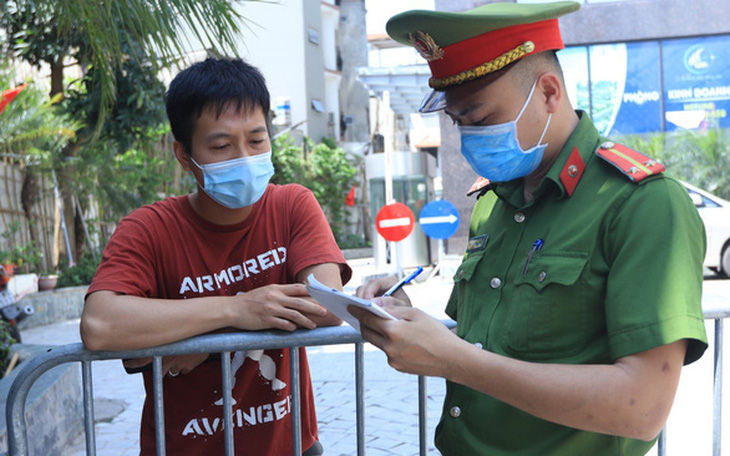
(556,269)
(548,313)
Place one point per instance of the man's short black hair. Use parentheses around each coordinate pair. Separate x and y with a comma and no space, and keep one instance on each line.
(217,84)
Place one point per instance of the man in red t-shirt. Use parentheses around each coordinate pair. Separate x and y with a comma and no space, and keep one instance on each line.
(233,254)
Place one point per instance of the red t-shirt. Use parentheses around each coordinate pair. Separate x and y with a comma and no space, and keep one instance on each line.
(166,250)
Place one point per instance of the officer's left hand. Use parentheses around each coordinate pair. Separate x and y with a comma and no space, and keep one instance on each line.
(416,343)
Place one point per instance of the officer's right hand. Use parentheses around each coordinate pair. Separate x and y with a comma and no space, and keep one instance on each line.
(377,287)
(275,307)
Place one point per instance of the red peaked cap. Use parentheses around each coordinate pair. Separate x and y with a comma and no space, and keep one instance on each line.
(460,47)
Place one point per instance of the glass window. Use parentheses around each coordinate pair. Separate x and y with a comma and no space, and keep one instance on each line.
(608,78)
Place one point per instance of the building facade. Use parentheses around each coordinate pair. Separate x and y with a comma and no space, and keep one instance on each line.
(294,44)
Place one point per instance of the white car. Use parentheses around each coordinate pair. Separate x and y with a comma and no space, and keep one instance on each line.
(715,213)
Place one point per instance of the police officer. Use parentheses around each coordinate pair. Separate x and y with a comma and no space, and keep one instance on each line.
(578,298)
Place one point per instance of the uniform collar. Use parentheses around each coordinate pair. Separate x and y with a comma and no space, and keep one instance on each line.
(570,165)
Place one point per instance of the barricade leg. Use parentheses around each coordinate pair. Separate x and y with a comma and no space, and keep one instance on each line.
(717,393)
(227,403)
(159,405)
(422,416)
(296,409)
(90,430)
(359,399)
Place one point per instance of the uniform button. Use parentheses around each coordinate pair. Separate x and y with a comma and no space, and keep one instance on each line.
(495,282)
(541,277)
(460,275)
(607,145)
(455,412)
(519,217)
(479,345)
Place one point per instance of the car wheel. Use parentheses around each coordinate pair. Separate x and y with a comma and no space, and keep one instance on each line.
(726,261)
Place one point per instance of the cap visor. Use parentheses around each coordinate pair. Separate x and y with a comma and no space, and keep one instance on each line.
(434,101)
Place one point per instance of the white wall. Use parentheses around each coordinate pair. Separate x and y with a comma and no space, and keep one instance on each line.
(273,42)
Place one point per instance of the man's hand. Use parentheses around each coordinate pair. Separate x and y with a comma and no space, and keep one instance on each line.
(377,287)
(275,307)
(416,343)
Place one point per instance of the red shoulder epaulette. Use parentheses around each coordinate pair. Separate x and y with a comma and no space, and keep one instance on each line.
(634,165)
(478,185)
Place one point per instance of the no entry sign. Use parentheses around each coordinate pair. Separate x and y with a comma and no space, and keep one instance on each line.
(394,222)
(439,219)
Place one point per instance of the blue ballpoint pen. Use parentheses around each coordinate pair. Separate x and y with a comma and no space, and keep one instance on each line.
(536,246)
(404,281)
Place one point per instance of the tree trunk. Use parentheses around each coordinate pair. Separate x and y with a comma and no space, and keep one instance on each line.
(29,196)
(56,76)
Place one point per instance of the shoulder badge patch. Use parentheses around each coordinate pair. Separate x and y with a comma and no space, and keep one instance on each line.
(477,243)
(632,164)
(477,186)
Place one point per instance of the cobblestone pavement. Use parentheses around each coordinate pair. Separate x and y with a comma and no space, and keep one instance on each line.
(391,423)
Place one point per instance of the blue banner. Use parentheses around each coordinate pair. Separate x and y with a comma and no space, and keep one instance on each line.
(696,82)
(639,109)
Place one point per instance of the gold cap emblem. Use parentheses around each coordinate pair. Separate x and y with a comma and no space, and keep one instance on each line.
(425,45)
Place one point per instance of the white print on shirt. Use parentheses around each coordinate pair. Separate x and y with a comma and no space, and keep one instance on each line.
(235,273)
(254,415)
(267,369)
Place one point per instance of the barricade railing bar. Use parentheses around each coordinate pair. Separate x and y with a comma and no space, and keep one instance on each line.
(227,343)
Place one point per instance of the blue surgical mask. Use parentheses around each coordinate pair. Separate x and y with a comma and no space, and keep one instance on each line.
(239,182)
(494,152)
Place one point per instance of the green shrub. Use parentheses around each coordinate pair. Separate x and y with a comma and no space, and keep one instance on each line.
(6,340)
(353,241)
(79,274)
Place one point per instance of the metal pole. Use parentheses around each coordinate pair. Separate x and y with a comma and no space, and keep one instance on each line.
(63,219)
(157,375)
(717,393)
(359,399)
(227,385)
(296,415)
(88,408)
(422,415)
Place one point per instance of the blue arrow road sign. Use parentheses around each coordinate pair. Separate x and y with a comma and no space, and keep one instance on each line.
(439,219)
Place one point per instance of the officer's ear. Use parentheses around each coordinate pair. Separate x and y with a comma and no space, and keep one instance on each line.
(550,88)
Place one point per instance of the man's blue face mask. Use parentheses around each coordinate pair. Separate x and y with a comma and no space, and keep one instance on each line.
(494,152)
(239,182)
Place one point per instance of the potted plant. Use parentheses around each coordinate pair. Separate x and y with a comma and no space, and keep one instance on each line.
(14,255)
(47,280)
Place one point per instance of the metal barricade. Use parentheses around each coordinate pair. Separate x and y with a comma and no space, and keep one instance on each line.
(212,343)
(227,343)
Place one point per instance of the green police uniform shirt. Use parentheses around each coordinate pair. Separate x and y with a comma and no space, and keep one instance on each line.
(617,270)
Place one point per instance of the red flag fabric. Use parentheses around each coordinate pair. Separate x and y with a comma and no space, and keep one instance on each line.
(9,95)
(350,199)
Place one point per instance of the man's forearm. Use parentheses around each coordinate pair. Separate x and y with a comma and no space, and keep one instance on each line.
(630,398)
(118,322)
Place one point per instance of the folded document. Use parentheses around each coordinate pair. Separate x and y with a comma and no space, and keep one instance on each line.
(336,302)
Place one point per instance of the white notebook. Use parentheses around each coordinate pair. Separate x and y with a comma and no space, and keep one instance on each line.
(336,302)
